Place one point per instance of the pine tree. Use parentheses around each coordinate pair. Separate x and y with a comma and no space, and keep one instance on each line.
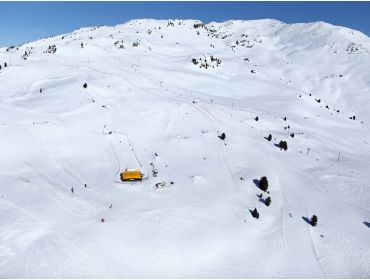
(222,136)
(313,220)
(263,183)
(255,213)
(268,201)
(283,145)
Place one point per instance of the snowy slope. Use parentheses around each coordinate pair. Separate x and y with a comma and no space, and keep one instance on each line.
(148,106)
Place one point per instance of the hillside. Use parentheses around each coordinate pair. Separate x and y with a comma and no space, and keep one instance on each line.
(158,95)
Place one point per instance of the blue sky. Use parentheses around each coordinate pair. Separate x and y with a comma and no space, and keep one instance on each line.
(27,21)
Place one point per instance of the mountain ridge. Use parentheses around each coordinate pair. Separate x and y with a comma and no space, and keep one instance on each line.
(268,21)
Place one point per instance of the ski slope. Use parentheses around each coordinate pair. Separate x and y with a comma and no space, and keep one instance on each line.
(148,106)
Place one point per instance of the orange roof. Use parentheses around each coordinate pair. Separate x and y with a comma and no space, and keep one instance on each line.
(129,175)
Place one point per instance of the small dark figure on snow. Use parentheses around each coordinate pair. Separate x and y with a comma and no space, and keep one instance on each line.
(255,213)
(110,207)
(259,195)
(284,118)
(222,136)
(5,65)
(269,138)
(85,85)
(72,190)
(263,183)
(268,201)
(313,220)
(292,135)
(82,45)
(102,220)
(256,118)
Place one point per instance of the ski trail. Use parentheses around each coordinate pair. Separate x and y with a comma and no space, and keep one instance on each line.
(212,119)
(298,245)
(283,230)
(128,142)
(208,112)
(203,113)
(115,155)
(316,255)
(29,260)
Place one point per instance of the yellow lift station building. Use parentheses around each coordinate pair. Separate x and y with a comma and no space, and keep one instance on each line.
(131,175)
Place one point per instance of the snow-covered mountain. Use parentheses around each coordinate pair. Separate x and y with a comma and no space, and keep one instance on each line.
(157,96)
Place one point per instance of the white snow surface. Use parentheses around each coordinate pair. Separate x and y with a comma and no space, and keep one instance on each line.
(149,107)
